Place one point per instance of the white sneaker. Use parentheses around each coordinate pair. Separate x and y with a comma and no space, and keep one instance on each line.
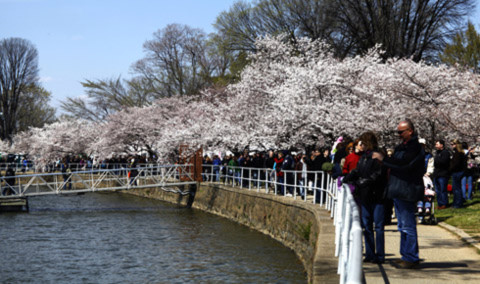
(427,210)
(419,210)
(289,195)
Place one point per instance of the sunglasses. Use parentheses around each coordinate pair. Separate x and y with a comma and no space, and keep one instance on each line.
(400,132)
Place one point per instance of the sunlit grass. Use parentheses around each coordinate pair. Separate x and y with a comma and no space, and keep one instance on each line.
(467,218)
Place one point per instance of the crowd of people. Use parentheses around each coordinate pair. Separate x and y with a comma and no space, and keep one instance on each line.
(272,165)
(405,178)
(404,175)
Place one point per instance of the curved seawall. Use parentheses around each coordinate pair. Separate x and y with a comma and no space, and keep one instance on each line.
(305,228)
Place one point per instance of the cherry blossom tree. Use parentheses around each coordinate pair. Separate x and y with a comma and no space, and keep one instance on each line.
(56,140)
(290,96)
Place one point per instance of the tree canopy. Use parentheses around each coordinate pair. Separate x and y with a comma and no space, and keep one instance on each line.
(464,51)
(23,102)
(289,96)
(408,28)
(180,60)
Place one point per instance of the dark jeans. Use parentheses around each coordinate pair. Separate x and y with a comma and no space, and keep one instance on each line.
(374,213)
(133,181)
(457,189)
(407,226)
(280,188)
(290,181)
(441,190)
(255,177)
(68,182)
(467,193)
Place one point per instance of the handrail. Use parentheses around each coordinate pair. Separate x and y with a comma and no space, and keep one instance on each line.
(52,167)
(348,238)
(266,179)
(95,180)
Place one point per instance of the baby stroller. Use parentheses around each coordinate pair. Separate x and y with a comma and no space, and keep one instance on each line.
(425,208)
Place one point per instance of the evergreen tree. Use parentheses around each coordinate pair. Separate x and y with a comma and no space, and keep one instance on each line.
(464,50)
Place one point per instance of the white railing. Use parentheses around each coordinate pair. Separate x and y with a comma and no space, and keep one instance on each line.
(53,167)
(348,238)
(16,166)
(324,190)
(95,180)
(293,183)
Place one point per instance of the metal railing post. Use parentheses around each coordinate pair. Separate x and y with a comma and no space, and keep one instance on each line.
(324,190)
(275,184)
(267,176)
(295,187)
(241,177)
(305,184)
(259,178)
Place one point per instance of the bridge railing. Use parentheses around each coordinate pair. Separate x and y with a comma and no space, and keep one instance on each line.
(95,180)
(53,167)
(17,167)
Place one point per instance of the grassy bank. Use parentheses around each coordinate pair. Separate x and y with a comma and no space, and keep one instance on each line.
(467,218)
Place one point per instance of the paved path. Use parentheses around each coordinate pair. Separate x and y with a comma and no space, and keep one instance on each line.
(445,258)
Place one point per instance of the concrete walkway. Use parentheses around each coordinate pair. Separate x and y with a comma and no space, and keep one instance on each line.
(445,258)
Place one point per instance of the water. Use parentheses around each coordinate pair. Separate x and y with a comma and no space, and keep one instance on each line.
(118,238)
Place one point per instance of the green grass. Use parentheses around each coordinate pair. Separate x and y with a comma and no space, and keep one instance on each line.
(467,218)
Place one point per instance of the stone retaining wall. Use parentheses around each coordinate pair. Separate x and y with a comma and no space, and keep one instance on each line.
(305,228)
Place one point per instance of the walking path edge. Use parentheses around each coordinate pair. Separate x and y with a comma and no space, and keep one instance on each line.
(462,234)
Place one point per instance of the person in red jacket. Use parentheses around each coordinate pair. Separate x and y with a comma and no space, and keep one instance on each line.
(352,159)
(278,169)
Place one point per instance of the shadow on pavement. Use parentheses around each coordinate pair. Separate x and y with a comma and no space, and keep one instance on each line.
(443,265)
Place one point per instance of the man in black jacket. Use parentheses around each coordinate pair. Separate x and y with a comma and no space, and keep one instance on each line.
(441,163)
(405,187)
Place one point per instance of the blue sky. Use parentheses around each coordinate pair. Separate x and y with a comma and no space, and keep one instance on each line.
(96,39)
(99,39)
